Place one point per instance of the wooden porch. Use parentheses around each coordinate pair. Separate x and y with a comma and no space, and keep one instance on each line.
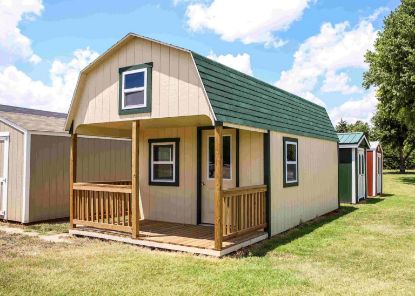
(111,210)
(195,239)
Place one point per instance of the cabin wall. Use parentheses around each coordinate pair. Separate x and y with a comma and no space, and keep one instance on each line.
(251,158)
(170,203)
(176,87)
(317,192)
(98,160)
(15,173)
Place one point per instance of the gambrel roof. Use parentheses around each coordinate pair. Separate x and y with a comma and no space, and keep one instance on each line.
(240,99)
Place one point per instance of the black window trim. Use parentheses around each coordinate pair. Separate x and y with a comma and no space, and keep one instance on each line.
(176,182)
(285,183)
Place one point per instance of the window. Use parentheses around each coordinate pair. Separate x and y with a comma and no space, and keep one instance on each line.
(164,162)
(227,158)
(290,162)
(135,89)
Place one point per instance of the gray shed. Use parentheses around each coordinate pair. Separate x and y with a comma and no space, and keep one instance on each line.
(34,164)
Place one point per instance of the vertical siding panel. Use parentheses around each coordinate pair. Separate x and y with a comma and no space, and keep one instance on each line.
(183,83)
(99,88)
(155,57)
(114,88)
(164,81)
(193,89)
(106,86)
(130,52)
(174,83)
(138,52)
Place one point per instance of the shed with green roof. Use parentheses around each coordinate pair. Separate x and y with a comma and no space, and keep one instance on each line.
(352,167)
(185,115)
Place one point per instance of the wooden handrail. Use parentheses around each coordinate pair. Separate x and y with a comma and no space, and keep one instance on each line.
(244,210)
(245,189)
(102,187)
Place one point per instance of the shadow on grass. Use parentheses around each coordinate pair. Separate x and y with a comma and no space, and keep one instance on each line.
(411,172)
(408,180)
(373,200)
(387,194)
(303,229)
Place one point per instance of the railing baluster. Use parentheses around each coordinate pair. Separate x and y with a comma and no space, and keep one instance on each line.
(243,210)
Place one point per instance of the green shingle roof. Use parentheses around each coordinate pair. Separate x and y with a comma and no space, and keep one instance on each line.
(350,138)
(241,99)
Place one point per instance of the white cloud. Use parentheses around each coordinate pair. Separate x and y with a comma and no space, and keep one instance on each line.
(13,44)
(338,83)
(312,98)
(248,21)
(334,48)
(240,62)
(17,88)
(353,110)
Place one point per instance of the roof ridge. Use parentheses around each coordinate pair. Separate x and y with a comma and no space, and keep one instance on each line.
(30,111)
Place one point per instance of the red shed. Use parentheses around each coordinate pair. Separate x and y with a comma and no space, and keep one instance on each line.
(374,169)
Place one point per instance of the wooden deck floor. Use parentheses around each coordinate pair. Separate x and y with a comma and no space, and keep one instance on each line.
(166,233)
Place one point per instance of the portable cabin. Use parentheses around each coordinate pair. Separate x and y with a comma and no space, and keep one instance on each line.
(34,164)
(220,160)
(352,167)
(374,169)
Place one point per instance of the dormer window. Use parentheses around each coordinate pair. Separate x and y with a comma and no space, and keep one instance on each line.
(135,89)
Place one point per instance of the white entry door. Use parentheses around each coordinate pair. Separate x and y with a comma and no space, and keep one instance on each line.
(379,168)
(4,168)
(208,170)
(361,173)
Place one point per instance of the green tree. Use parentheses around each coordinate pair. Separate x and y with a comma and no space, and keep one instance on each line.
(359,126)
(342,126)
(394,134)
(392,72)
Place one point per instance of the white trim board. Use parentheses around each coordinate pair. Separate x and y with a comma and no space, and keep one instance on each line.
(26,177)
(5,136)
(354,176)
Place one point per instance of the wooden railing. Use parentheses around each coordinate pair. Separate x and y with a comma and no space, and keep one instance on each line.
(105,205)
(244,210)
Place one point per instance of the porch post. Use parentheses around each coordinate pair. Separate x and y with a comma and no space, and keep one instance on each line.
(135,188)
(72,176)
(218,186)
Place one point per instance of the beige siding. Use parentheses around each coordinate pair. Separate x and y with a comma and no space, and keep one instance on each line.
(168,203)
(176,86)
(251,158)
(316,193)
(98,160)
(15,185)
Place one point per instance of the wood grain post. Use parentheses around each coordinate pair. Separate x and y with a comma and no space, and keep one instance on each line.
(72,176)
(218,186)
(135,188)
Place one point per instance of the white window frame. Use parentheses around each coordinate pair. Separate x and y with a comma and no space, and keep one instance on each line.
(134,89)
(291,162)
(207,158)
(173,162)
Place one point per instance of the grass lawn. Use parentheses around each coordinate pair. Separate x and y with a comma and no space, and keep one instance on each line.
(363,249)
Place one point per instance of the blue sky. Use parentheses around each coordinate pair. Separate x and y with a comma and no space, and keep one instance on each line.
(313,48)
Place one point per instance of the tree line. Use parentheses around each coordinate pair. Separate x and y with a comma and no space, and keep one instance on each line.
(392,73)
